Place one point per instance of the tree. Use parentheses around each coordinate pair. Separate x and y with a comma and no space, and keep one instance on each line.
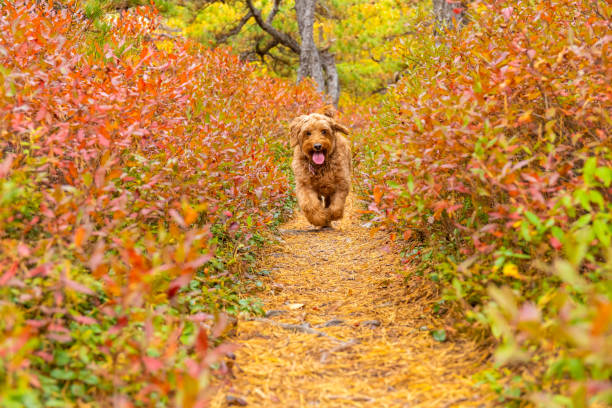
(359,42)
(449,13)
(318,64)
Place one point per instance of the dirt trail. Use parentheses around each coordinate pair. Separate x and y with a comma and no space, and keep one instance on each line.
(344,331)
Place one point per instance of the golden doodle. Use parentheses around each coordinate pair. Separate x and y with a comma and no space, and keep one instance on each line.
(322,166)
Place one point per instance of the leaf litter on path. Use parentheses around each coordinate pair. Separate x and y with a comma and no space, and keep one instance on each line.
(373,354)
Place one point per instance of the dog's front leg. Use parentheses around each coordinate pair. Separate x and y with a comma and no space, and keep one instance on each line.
(336,206)
(313,208)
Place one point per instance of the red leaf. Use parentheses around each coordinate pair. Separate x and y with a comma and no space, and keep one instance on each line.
(23,250)
(201,344)
(196,263)
(555,243)
(200,317)
(507,12)
(177,284)
(77,287)
(9,274)
(84,319)
(152,364)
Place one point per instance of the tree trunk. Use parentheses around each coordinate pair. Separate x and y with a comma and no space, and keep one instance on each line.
(316,64)
(333,85)
(310,62)
(449,14)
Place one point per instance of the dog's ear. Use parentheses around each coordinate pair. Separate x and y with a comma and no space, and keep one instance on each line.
(327,110)
(339,128)
(295,129)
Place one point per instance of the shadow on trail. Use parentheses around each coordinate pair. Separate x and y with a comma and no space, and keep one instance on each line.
(307,231)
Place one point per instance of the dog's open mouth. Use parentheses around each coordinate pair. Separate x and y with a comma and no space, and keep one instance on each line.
(318,158)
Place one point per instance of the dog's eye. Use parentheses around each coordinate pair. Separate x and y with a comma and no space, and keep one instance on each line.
(308,133)
(324,131)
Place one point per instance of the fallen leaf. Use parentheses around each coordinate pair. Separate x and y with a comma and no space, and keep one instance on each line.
(232,400)
(439,335)
(295,306)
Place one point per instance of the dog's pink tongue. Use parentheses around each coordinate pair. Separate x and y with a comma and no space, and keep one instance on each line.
(318,158)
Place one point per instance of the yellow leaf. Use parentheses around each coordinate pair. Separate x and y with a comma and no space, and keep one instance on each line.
(511,270)
(525,117)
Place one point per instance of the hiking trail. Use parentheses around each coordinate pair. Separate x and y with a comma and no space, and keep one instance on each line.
(342,329)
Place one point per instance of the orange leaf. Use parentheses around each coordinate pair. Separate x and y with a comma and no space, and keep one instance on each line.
(79,235)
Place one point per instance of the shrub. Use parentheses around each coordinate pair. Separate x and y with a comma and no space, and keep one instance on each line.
(495,151)
(137,173)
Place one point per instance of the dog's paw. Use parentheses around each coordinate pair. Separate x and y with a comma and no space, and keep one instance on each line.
(336,213)
(317,216)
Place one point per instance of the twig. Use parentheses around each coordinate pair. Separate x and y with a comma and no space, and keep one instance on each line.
(303,328)
(356,398)
(222,38)
(339,347)
(275,9)
(455,402)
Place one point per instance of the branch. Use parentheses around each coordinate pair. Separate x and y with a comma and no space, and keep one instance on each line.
(280,59)
(221,38)
(267,48)
(274,11)
(394,36)
(378,61)
(282,38)
(267,51)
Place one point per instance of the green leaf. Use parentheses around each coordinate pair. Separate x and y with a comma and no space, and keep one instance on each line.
(605,175)
(62,358)
(62,374)
(558,233)
(568,274)
(582,196)
(439,335)
(525,232)
(534,220)
(77,389)
(589,170)
(576,369)
(602,231)
(596,197)
(582,221)
(88,378)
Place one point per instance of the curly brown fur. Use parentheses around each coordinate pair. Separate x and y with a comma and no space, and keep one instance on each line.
(321,188)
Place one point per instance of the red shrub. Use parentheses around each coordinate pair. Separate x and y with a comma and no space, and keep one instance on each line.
(497,154)
(133,170)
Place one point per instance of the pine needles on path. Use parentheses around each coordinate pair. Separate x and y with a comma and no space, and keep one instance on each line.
(342,330)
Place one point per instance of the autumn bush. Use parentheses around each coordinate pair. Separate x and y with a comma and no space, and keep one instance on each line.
(492,162)
(137,175)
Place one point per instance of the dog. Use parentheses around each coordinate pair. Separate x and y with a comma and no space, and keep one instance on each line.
(321,165)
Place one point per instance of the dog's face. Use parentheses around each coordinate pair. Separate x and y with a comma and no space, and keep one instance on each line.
(316,136)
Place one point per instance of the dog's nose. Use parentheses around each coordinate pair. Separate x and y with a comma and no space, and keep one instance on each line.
(317,147)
